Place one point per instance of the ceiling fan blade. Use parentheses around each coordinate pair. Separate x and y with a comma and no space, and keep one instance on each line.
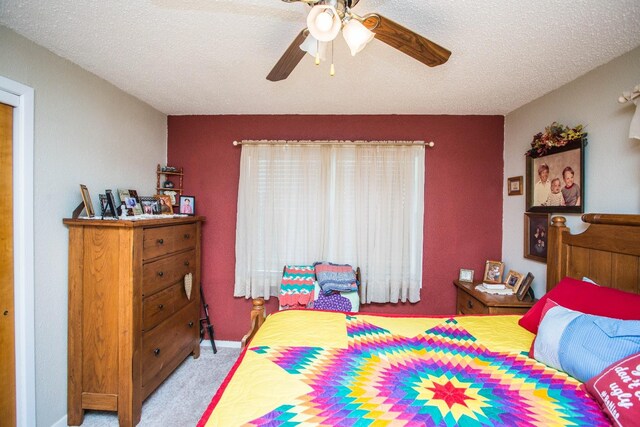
(301,1)
(289,59)
(350,3)
(406,41)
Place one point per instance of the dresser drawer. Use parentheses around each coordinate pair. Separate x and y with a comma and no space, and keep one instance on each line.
(165,240)
(470,305)
(163,304)
(157,275)
(167,340)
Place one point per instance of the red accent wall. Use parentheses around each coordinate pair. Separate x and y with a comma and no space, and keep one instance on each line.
(463,195)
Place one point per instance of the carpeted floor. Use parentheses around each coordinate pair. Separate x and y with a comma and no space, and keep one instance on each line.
(183,397)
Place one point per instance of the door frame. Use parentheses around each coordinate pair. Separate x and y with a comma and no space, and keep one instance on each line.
(13,93)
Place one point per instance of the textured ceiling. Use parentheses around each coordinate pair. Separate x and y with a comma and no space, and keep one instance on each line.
(212,57)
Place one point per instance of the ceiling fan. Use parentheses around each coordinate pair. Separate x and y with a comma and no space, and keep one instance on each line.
(328,17)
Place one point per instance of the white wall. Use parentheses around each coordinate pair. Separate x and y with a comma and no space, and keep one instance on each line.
(86,131)
(612,160)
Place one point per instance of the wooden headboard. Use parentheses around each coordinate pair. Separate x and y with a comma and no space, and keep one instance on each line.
(607,252)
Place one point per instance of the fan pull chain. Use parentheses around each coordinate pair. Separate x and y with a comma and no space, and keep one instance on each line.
(332,72)
(317,52)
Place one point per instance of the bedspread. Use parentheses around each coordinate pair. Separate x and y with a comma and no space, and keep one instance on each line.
(340,369)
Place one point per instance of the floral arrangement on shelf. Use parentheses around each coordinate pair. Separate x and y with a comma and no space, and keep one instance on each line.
(554,135)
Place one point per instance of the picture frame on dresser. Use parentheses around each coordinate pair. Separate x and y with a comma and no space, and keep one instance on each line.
(86,199)
(187,205)
(149,205)
(164,202)
(536,230)
(105,210)
(493,271)
(111,203)
(565,164)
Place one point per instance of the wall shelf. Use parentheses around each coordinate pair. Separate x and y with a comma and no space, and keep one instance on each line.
(171,174)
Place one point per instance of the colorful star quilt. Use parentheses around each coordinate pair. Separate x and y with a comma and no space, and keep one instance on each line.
(389,371)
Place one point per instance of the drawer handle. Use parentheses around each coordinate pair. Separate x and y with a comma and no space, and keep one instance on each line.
(191,324)
(160,273)
(187,235)
(470,304)
(160,241)
(186,263)
(156,352)
(160,306)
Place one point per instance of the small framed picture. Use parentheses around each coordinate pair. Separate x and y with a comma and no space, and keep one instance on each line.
(187,205)
(466,275)
(514,186)
(134,202)
(111,203)
(536,229)
(172,195)
(86,199)
(493,272)
(523,289)
(165,204)
(513,280)
(105,210)
(149,205)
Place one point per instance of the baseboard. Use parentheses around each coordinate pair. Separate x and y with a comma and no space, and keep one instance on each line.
(62,422)
(220,344)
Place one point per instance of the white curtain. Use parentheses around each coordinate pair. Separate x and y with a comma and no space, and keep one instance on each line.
(357,204)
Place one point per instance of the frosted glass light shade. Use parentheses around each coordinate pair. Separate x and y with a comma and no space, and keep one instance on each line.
(313,46)
(324,23)
(356,35)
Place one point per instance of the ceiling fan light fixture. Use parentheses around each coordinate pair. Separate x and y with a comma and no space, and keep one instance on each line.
(324,23)
(314,48)
(356,35)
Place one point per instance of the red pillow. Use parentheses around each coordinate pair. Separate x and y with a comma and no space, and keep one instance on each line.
(587,298)
(616,389)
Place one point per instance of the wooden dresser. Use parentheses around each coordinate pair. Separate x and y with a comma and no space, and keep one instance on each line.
(470,301)
(130,321)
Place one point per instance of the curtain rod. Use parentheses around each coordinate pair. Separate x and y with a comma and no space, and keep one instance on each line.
(324,142)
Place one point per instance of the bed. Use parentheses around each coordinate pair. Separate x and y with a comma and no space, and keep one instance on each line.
(355,369)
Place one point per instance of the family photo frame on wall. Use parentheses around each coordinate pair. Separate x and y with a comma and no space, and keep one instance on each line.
(536,230)
(555,179)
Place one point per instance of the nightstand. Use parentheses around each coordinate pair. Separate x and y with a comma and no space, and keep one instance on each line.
(470,301)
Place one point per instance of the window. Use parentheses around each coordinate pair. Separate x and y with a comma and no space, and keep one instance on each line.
(356,204)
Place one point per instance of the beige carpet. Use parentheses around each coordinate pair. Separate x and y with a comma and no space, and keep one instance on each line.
(183,397)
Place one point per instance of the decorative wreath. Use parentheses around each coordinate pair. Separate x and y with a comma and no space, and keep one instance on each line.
(554,135)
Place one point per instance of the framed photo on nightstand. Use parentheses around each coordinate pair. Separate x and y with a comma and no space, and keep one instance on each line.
(523,289)
(493,271)
(466,275)
(513,280)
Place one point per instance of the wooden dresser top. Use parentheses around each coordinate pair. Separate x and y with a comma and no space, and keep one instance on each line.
(152,222)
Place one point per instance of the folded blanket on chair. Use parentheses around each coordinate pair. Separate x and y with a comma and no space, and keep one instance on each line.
(297,287)
(335,277)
